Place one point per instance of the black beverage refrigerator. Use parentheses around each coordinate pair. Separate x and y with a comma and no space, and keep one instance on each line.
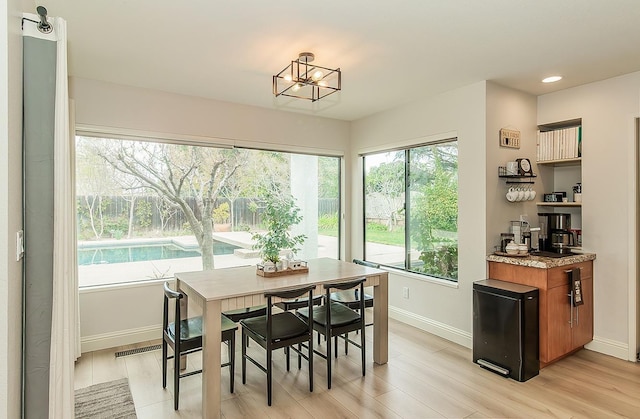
(505,328)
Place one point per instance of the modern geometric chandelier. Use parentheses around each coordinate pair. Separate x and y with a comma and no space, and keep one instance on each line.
(303,80)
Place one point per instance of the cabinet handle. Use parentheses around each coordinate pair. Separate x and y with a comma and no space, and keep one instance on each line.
(571,270)
(571,308)
(577,315)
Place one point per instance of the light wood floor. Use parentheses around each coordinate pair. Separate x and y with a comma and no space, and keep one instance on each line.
(426,377)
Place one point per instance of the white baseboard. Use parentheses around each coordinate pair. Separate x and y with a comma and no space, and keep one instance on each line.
(120,338)
(600,345)
(609,347)
(434,327)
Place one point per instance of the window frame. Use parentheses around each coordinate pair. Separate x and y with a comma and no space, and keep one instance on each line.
(209,142)
(406,149)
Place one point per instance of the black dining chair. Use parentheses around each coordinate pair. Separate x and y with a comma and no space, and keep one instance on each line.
(185,337)
(351,298)
(335,319)
(295,304)
(280,329)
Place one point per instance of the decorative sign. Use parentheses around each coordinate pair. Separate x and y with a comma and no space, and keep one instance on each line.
(509,138)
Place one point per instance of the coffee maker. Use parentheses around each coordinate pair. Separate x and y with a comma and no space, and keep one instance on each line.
(555,234)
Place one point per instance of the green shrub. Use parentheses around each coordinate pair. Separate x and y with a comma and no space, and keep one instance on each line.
(441,260)
(242,227)
(376,227)
(221,213)
(143,213)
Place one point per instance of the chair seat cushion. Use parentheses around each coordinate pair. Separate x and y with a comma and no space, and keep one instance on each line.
(341,315)
(228,324)
(349,299)
(189,329)
(192,328)
(246,312)
(284,326)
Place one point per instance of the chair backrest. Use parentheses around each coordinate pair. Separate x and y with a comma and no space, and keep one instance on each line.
(287,295)
(365,263)
(173,295)
(356,284)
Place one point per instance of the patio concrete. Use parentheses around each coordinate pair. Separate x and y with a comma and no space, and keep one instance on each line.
(118,273)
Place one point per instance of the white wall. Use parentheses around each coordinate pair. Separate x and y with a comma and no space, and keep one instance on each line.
(474,114)
(10,207)
(111,317)
(437,306)
(607,109)
(508,108)
(112,105)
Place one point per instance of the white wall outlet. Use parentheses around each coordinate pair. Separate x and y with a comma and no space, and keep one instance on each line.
(19,245)
(405,292)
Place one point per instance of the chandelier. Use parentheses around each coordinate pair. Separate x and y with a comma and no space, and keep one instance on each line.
(303,80)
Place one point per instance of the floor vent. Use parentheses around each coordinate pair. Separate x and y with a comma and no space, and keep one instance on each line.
(138,350)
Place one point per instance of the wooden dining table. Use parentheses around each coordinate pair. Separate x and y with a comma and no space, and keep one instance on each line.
(214,291)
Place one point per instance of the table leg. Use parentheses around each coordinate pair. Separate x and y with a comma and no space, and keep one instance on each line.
(184,312)
(211,329)
(381,320)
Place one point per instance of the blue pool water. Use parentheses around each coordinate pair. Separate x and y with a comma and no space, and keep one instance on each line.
(138,253)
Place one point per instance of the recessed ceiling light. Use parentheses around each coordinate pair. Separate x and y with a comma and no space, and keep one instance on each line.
(551,79)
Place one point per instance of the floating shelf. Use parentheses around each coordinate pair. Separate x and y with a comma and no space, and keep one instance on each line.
(559,204)
(562,162)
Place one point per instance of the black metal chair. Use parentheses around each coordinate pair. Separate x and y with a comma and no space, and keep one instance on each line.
(185,337)
(295,304)
(335,319)
(279,330)
(351,299)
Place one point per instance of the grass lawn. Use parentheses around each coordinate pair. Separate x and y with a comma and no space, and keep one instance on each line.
(392,238)
(376,235)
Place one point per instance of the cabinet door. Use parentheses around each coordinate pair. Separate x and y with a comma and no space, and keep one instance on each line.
(559,340)
(583,316)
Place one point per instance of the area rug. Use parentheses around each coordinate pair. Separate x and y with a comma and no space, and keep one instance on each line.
(107,400)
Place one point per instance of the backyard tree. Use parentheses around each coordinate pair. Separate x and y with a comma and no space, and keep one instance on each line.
(434,217)
(95,188)
(180,174)
(384,191)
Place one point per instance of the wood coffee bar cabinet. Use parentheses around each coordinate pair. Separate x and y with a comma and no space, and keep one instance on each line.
(564,328)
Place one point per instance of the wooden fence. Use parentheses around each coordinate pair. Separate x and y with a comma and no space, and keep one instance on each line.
(116,209)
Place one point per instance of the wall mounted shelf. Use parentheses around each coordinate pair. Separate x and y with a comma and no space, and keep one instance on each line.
(559,204)
(577,161)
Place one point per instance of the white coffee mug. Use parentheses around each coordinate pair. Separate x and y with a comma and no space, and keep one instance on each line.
(533,195)
(511,194)
(512,168)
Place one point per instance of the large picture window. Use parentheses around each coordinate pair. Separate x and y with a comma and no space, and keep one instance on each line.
(411,209)
(149,209)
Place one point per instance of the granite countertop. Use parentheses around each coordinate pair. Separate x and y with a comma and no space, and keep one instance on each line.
(542,261)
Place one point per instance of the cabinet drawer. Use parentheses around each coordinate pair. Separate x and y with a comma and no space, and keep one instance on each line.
(558,276)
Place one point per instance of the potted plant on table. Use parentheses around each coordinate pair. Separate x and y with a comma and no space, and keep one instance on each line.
(279,215)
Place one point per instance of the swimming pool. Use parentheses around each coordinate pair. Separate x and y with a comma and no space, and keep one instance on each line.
(141,253)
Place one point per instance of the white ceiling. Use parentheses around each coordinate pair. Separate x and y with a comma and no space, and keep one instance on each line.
(390,52)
